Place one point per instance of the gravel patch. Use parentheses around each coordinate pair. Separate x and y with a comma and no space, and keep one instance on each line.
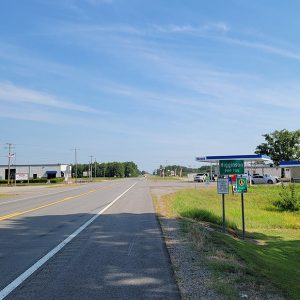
(193,280)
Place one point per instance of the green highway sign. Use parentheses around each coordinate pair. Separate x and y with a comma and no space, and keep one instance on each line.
(230,167)
(241,185)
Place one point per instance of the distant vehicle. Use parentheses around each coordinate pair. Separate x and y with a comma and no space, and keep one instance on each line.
(260,179)
(200,177)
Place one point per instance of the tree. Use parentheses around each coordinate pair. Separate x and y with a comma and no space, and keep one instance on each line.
(131,169)
(281,145)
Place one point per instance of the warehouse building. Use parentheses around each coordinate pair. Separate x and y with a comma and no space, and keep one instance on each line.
(35,171)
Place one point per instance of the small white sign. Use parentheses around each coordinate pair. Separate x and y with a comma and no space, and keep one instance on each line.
(223,186)
(21,176)
(85,174)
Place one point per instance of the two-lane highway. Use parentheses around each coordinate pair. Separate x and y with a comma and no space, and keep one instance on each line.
(99,240)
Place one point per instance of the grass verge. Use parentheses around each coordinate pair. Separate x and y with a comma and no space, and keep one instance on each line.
(271,250)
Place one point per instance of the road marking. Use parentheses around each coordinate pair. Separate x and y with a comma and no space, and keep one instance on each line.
(18,213)
(37,196)
(49,194)
(14,284)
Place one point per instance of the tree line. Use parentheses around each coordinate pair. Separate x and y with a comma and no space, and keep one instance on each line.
(181,171)
(110,169)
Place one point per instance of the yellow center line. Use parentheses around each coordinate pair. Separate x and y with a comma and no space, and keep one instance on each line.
(18,213)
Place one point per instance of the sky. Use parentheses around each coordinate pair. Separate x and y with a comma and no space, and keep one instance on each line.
(154,82)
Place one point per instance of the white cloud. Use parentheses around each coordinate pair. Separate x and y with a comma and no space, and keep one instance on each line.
(189,29)
(97,2)
(10,92)
(272,49)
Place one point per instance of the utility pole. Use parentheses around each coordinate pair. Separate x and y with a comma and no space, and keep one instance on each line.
(9,157)
(75,153)
(91,167)
(95,168)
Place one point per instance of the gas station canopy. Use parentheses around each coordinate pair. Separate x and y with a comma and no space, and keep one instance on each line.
(287,164)
(251,157)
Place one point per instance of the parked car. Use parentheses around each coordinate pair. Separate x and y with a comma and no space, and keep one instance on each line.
(275,177)
(260,179)
(200,177)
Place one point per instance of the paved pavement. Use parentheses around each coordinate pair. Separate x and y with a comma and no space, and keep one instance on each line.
(120,255)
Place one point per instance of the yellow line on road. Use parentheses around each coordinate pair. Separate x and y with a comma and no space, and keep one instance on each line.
(18,213)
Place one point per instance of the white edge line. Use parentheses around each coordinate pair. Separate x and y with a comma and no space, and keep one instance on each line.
(14,284)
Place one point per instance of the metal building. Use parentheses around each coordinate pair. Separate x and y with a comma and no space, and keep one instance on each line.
(35,171)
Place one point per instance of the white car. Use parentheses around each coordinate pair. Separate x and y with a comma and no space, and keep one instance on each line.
(200,177)
(260,179)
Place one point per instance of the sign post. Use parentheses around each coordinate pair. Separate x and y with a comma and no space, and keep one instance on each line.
(241,187)
(223,188)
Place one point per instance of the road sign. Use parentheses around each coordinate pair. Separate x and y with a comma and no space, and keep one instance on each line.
(223,186)
(228,167)
(241,185)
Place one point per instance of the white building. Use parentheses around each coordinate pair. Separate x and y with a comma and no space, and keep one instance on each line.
(49,171)
(291,169)
(263,169)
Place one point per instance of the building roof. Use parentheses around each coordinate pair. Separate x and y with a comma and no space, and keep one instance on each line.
(248,157)
(292,163)
(35,165)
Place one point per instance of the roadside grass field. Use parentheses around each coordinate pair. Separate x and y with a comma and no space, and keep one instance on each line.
(272,245)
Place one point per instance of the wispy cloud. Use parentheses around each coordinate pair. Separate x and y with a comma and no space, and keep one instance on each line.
(207,27)
(97,2)
(267,48)
(218,31)
(11,92)
(22,58)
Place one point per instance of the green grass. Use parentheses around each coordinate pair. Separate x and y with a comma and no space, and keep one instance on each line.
(273,247)
(7,195)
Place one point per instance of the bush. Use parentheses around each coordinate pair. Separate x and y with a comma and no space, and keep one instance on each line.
(289,200)
(36,180)
(57,180)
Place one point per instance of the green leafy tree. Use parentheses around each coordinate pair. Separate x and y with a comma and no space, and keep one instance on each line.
(131,169)
(281,145)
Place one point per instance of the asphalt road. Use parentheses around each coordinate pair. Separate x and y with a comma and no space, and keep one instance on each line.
(116,252)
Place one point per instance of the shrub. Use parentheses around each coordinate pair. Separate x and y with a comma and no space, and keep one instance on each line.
(57,180)
(289,200)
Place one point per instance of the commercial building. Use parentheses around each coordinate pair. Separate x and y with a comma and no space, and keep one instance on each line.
(35,171)
(291,170)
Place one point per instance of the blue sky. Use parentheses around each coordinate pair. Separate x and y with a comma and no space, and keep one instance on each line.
(148,81)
